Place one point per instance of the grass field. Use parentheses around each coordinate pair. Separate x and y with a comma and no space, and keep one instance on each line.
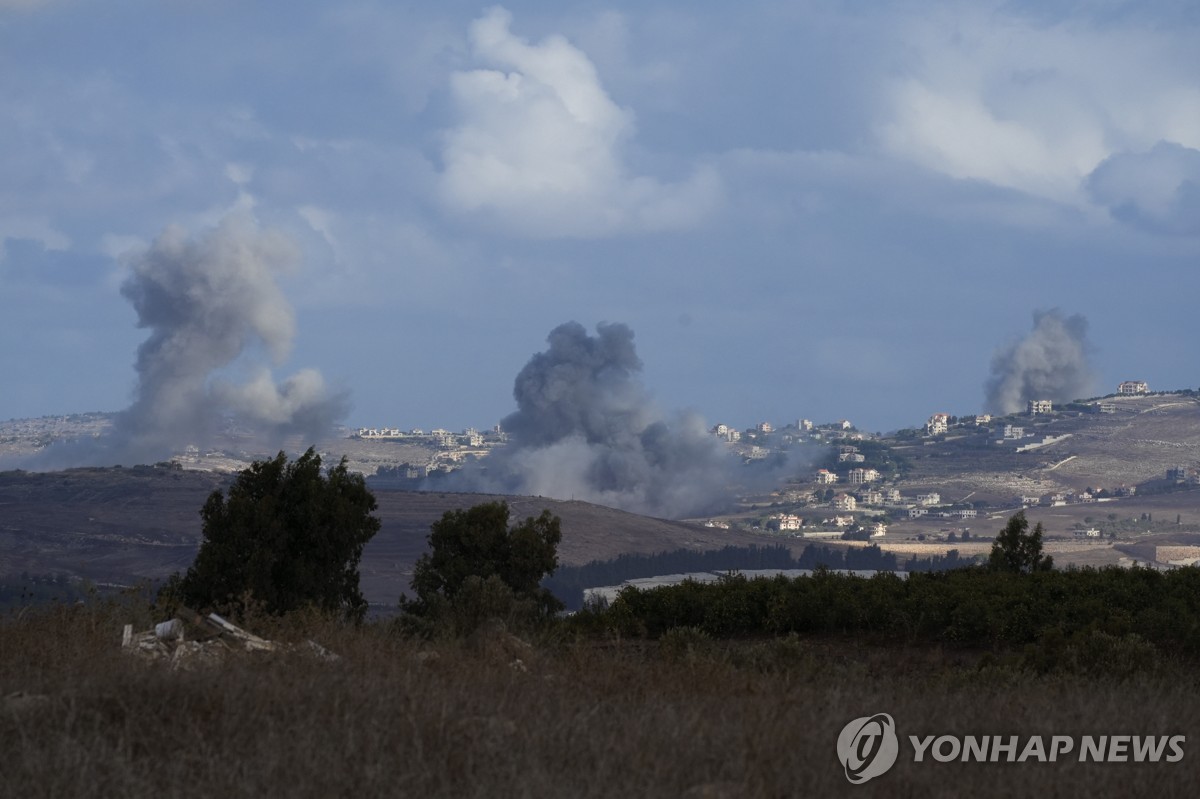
(682,717)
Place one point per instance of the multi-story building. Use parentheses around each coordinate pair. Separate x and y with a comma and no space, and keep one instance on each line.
(1037,407)
(1012,431)
(938,424)
(826,477)
(844,502)
(870,496)
(860,476)
(1132,387)
(790,521)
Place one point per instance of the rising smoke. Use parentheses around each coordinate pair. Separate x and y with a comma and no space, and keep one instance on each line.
(210,303)
(1051,363)
(585,428)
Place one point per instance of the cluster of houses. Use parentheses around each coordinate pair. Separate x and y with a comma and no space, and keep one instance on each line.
(1184,475)
(802,429)
(940,423)
(1060,498)
(442,439)
(791,522)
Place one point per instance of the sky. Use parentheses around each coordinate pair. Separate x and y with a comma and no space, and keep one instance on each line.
(802,209)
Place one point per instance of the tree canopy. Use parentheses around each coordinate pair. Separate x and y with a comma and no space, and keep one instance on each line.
(478,543)
(287,535)
(1018,550)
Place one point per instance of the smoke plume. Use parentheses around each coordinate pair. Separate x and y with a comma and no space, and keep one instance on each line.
(1051,363)
(210,303)
(585,428)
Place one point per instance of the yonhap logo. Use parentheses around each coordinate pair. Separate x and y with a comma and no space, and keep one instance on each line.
(868,747)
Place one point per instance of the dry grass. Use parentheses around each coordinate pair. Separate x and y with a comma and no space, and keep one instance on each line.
(590,719)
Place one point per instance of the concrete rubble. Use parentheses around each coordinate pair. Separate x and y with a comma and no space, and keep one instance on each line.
(193,641)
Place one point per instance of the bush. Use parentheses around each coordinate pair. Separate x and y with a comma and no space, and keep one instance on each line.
(286,537)
(479,568)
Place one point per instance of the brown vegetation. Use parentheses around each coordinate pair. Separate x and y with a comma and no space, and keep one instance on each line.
(685,716)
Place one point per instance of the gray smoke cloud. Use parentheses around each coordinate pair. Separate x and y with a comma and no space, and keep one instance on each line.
(585,428)
(210,302)
(1050,363)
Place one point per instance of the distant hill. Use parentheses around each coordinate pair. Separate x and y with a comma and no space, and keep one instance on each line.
(1135,442)
(118,525)
(121,524)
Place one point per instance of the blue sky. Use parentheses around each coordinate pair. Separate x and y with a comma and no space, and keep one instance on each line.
(802,209)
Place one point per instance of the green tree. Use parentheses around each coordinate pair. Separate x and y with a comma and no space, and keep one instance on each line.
(1018,550)
(287,536)
(468,546)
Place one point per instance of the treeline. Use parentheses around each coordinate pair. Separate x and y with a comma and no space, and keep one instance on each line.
(569,582)
(970,607)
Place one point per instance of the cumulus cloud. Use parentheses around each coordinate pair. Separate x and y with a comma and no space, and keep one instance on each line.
(1050,363)
(1036,104)
(539,148)
(1158,190)
(585,428)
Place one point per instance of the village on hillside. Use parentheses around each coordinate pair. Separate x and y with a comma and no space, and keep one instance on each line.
(924,489)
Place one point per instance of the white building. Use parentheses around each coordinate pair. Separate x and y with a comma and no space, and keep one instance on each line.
(860,476)
(844,502)
(826,477)
(1133,387)
(1037,407)
(938,424)
(789,521)
(870,496)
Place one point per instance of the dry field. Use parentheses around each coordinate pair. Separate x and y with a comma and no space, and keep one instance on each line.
(397,717)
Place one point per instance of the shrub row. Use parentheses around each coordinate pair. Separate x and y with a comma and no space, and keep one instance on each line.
(970,607)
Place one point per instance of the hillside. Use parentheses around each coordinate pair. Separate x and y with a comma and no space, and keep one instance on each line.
(122,524)
(1136,443)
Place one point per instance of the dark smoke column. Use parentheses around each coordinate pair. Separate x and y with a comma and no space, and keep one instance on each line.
(585,428)
(1048,364)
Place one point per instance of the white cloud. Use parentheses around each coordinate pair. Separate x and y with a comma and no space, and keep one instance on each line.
(34,228)
(959,135)
(539,147)
(321,221)
(991,96)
